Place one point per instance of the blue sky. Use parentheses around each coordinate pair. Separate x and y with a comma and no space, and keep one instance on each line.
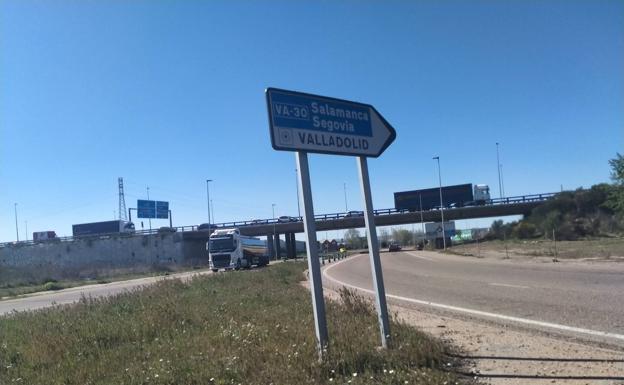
(169,93)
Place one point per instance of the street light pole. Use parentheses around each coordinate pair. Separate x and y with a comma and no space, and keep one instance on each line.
(345,195)
(16,228)
(149,219)
(422,222)
(208,199)
(208,203)
(498,167)
(502,176)
(274,246)
(297,184)
(441,202)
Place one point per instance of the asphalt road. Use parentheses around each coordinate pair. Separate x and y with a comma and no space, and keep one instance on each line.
(71,295)
(583,299)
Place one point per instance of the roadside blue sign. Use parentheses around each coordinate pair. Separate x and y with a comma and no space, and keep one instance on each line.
(162,210)
(313,123)
(146,209)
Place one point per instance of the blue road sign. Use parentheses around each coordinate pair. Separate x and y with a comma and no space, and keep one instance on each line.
(146,209)
(313,123)
(162,210)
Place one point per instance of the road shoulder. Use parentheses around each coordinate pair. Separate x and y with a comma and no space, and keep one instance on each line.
(498,353)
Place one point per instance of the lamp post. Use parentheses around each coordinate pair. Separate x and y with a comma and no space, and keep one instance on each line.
(422,222)
(344,185)
(149,219)
(208,198)
(208,204)
(502,176)
(16,228)
(498,167)
(297,184)
(441,202)
(274,242)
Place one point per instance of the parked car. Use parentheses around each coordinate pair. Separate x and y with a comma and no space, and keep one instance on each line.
(394,246)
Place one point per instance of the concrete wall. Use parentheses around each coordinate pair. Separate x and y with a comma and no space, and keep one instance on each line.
(85,255)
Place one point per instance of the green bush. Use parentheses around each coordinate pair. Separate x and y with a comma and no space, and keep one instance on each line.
(524,230)
(52,286)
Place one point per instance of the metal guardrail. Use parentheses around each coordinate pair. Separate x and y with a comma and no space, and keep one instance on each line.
(319,217)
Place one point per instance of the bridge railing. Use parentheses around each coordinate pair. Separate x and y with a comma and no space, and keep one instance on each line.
(318,217)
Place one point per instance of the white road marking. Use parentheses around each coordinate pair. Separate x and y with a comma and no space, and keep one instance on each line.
(508,285)
(419,256)
(475,312)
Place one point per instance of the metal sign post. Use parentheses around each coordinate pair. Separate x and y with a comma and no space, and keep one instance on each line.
(373,252)
(314,267)
(311,123)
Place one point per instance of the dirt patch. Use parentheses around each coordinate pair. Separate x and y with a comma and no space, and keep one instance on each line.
(610,249)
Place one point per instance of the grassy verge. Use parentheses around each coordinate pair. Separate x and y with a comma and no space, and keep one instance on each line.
(603,248)
(249,327)
(14,283)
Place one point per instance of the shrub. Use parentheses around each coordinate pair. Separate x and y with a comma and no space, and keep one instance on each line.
(524,230)
(52,286)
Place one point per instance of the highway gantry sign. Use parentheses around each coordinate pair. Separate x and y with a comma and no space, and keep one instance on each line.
(152,209)
(312,123)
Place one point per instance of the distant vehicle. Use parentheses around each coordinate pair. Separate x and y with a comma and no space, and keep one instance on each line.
(231,250)
(286,219)
(206,226)
(39,236)
(167,229)
(354,214)
(258,221)
(452,197)
(107,227)
(394,246)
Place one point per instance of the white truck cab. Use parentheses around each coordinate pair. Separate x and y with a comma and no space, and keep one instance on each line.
(481,193)
(228,249)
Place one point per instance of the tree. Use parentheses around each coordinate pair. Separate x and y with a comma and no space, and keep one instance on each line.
(496,229)
(617,169)
(616,196)
(352,239)
(384,237)
(403,236)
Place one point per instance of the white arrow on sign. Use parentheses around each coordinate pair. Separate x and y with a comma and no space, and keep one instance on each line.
(313,123)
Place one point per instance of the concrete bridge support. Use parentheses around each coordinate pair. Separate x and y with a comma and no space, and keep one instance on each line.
(278,246)
(291,246)
(270,245)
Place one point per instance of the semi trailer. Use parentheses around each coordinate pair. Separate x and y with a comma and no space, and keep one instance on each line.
(107,227)
(452,196)
(228,249)
(39,236)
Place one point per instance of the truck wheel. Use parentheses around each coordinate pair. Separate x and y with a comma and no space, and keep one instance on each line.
(238,265)
(215,270)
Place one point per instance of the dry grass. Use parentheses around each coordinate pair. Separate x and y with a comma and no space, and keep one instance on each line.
(249,327)
(601,248)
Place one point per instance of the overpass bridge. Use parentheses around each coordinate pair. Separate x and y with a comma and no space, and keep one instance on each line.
(272,228)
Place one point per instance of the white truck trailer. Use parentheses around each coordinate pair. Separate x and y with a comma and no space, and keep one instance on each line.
(228,249)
